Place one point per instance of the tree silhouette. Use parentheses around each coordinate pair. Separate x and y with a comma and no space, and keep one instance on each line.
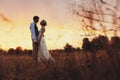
(86,44)
(11,51)
(27,52)
(2,51)
(18,50)
(68,48)
(115,42)
(100,42)
(78,49)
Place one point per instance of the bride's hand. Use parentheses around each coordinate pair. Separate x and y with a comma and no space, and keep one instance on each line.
(38,39)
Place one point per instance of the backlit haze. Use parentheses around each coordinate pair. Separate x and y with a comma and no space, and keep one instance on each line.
(16,16)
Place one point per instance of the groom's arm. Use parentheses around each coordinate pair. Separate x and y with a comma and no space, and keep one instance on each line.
(32,28)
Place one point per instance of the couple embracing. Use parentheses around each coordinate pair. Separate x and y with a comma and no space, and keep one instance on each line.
(40,52)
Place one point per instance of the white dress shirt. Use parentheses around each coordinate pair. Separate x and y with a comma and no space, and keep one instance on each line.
(32,29)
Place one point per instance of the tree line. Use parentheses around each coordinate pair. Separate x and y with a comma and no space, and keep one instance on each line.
(98,43)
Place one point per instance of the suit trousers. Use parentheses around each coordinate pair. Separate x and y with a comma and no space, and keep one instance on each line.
(35,52)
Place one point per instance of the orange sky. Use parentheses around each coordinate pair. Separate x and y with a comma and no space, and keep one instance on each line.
(14,30)
(16,16)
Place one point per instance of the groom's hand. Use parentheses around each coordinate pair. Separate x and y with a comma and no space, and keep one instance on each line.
(36,42)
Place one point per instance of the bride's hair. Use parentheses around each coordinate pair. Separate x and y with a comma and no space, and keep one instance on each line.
(43,23)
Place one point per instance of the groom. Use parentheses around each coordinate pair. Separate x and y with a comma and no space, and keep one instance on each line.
(34,35)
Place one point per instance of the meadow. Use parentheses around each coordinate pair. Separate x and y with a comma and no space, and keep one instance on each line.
(77,65)
(98,59)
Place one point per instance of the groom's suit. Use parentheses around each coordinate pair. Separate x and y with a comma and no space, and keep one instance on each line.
(34,35)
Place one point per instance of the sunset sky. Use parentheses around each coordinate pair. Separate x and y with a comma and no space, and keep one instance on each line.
(16,16)
(14,30)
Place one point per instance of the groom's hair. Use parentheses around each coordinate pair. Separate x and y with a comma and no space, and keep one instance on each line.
(35,17)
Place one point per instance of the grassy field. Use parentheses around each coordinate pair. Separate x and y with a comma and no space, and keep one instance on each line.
(83,65)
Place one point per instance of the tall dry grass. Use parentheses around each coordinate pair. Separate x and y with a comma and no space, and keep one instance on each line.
(68,66)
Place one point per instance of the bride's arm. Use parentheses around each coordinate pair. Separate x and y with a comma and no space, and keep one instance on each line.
(41,34)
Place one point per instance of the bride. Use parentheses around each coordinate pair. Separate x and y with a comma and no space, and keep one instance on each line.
(43,53)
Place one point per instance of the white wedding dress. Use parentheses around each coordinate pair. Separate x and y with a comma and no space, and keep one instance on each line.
(43,53)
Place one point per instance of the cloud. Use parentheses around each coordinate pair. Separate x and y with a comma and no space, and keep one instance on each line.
(6,19)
